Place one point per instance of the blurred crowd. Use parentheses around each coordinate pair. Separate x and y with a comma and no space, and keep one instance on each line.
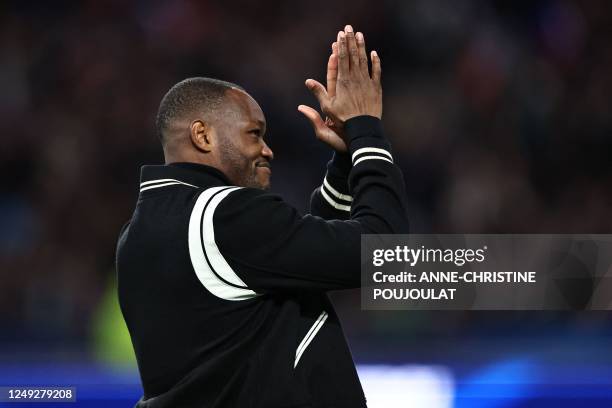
(500,114)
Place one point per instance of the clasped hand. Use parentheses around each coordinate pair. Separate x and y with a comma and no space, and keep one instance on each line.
(351,90)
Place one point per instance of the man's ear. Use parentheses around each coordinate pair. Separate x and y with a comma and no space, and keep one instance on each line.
(202,135)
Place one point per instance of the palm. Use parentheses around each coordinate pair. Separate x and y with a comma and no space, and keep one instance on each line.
(327,131)
(335,135)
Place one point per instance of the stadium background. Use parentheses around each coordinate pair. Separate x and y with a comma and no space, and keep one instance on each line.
(500,114)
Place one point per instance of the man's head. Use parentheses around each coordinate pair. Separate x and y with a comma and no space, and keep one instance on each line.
(213,122)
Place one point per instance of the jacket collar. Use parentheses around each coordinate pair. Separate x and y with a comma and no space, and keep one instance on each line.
(191,174)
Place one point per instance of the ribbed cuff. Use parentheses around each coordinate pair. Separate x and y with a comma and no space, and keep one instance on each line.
(339,165)
(336,178)
(367,139)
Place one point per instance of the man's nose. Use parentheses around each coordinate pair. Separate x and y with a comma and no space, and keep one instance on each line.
(267,152)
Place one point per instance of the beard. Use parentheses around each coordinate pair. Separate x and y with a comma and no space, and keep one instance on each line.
(240,170)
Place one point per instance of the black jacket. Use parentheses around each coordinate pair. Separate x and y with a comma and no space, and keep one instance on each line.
(224,288)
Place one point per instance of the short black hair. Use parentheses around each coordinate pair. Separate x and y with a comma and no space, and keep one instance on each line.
(188,96)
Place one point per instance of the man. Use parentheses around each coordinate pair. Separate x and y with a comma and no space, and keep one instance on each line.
(222,284)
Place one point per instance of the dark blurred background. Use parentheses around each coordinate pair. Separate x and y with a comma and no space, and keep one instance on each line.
(500,115)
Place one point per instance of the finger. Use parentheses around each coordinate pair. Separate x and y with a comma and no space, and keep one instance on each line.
(335,48)
(352,48)
(322,130)
(363,55)
(343,62)
(318,90)
(313,116)
(376,70)
(332,75)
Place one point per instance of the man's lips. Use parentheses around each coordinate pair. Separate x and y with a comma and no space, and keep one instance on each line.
(264,166)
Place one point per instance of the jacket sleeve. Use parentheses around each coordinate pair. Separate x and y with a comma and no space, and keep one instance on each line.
(257,243)
(332,200)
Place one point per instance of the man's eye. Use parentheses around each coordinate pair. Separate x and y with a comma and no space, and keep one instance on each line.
(256,132)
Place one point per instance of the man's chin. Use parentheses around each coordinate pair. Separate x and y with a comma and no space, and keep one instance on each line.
(262,177)
(257,183)
(265,186)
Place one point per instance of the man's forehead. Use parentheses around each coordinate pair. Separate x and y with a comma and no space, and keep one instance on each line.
(244,106)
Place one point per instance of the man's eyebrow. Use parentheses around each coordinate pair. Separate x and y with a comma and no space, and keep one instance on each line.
(260,123)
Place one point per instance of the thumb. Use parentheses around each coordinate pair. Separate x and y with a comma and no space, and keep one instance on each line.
(313,116)
(322,131)
(318,90)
